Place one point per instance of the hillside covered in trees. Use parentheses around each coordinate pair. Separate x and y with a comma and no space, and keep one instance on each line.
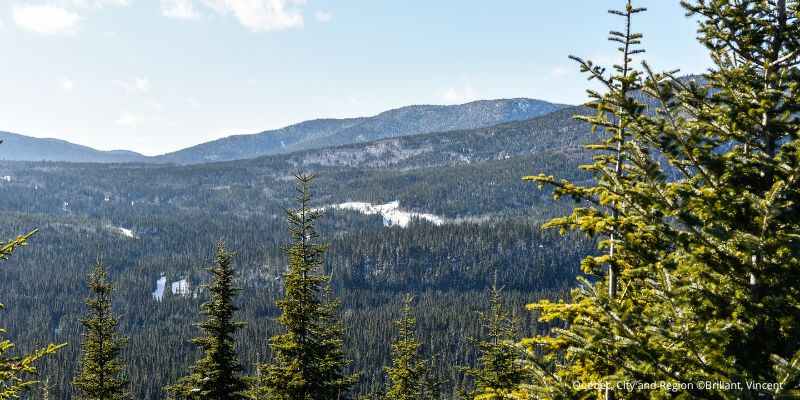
(658,258)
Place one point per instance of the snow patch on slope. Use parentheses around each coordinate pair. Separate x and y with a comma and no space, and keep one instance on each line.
(161,283)
(126,232)
(391,213)
(180,287)
(123,231)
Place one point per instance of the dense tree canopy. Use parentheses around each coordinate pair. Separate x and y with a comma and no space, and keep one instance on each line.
(309,361)
(218,375)
(16,371)
(101,368)
(704,217)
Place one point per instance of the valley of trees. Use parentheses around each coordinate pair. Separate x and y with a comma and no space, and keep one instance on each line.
(685,242)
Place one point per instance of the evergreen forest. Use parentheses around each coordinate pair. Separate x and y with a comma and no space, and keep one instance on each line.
(643,245)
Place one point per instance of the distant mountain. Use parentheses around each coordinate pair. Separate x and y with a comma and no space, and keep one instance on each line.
(308,135)
(17,147)
(468,173)
(553,131)
(393,123)
(161,220)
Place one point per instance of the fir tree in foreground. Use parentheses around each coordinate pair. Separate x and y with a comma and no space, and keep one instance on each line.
(499,372)
(217,376)
(16,370)
(100,368)
(705,215)
(308,360)
(411,375)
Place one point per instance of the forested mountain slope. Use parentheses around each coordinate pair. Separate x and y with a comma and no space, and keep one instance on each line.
(152,220)
(312,134)
(25,148)
(393,123)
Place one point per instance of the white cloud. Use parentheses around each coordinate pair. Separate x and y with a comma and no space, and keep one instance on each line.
(66,83)
(142,84)
(125,85)
(262,15)
(154,105)
(193,103)
(453,95)
(137,85)
(179,9)
(130,119)
(96,4)
(323,16)
(560,71)
(184,100)
(46,19)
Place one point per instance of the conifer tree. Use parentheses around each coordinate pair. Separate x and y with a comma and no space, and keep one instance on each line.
(432,383)
(705,215)
(409,368)
(217,376)
(47,390)
(256,384)
(308,360)
(500,371)
(16,370)
(411,376)
(101,367)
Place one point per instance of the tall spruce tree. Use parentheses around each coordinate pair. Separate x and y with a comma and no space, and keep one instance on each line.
(409,368)
(16,370)
(217,376)
(100,369)
(411,376)
(308,360)
(706,217)
(499,372)
(256,384)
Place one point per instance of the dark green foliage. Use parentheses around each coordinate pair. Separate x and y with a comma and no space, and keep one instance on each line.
(499,371)
(704,220)
(101,367)
(217,376)
(176,211)
(309,362)
(372,266)
(441,173)
(16,370)
(409,367)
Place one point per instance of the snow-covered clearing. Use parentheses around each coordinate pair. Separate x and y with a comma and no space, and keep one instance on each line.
(161,283)
(126,232)
(180,287)
(391,213)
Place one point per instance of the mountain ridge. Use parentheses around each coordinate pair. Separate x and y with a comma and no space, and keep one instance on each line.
(18,147)
(403,121)
(305,135)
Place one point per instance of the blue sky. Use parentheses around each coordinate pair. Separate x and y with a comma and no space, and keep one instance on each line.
(155,76)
